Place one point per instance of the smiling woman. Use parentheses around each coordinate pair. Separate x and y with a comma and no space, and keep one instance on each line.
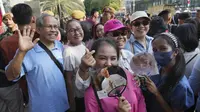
(116,31)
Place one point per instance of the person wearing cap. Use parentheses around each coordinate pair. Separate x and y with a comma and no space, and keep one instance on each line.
(139,41)
(115,30)
(78,15)
(108,14)
(11,26)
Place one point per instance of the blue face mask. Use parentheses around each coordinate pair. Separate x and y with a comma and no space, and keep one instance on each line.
(163,58)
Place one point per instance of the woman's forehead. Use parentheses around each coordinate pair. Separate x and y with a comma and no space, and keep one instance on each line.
(106,49)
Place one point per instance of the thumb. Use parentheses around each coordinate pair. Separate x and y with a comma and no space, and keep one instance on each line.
(36,40)
(92,52)
(86,51)
(19,33)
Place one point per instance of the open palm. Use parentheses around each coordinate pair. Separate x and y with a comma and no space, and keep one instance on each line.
(25,39)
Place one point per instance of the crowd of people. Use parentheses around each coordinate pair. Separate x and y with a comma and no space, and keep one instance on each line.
(145,63)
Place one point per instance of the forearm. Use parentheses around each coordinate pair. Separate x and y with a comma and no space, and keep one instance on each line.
(14,68)
(83,73)
(163,103)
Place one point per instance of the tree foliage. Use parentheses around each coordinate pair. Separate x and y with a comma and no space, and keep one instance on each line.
(90,4)
(65,7)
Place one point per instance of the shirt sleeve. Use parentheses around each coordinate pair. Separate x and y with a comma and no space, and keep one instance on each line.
(182,97)
(81,84)
(69,60)
(194,78)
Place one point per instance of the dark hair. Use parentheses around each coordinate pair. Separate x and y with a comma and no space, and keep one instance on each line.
(175,19)
(94,10)
(196,22)
(22,14)
(184,15)
(187,34)
(157,25)
(70,21)
(101,42)
(94,28)
(177,70)
(87,29)
(164,14)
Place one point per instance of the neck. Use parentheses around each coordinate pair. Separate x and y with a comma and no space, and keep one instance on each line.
(49,45)
(72,44)
(13,28)
(141,39)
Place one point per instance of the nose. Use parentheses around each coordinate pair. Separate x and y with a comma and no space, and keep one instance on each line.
(108,63)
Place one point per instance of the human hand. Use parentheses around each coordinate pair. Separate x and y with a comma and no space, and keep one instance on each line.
(151,86)
(123,105)
(87,60)
(26,39)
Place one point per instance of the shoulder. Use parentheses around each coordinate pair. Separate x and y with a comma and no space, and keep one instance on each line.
(149,38)
(127,53)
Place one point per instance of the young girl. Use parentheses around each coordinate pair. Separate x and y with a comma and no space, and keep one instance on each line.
(170,89)
(72,58)
(107,54)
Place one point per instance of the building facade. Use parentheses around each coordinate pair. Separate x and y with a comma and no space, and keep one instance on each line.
(144,4)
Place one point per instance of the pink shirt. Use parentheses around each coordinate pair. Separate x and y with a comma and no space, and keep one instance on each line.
(110,104)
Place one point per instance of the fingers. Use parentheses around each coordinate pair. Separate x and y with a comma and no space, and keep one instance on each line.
(24,31)
(28,31)
(19,33)
(32,33)
(36,40)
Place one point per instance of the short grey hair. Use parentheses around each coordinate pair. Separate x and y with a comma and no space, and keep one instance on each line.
(40,20)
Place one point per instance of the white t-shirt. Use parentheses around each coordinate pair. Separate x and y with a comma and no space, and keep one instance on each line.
(72,59)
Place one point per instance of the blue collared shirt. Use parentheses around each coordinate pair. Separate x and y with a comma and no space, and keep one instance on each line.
(135,47)
(46,84)
(181,97)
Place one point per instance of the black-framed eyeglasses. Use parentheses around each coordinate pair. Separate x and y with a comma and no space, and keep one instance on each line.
(138,23)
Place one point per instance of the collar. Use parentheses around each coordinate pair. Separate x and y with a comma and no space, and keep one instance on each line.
(38,49)
(132,38)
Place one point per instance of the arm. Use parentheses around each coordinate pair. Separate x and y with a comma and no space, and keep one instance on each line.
(25,44)
(70,89)
(194,78)
(14,68)
(153,89)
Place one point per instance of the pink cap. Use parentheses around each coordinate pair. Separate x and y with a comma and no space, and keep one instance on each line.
(113,25)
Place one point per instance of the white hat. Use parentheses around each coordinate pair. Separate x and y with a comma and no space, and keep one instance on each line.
(139,14)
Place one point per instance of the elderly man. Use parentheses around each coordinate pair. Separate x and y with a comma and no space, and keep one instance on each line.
(44,74)
(11,26)
(139,41)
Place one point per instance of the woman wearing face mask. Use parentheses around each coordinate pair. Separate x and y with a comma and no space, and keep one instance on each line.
(107,54)
(116,31)
(170,88)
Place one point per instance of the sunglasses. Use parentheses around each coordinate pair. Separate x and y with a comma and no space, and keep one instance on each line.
(118,33)
(138,23)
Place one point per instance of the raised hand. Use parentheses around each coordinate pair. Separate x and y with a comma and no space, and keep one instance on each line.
(26,39)
(87,60)
(151,86)
(123,105)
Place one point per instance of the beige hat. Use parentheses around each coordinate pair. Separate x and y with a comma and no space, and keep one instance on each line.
(139,14)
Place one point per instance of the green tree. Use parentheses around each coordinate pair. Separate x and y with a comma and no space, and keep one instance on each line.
(62,7)
(90,4)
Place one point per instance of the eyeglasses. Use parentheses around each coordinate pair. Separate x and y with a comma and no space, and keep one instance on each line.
(138,23)
(75,30)
(119,32)
(49,27)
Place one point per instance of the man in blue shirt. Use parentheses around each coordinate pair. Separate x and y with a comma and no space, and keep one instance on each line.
(46,84)
(139,41)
